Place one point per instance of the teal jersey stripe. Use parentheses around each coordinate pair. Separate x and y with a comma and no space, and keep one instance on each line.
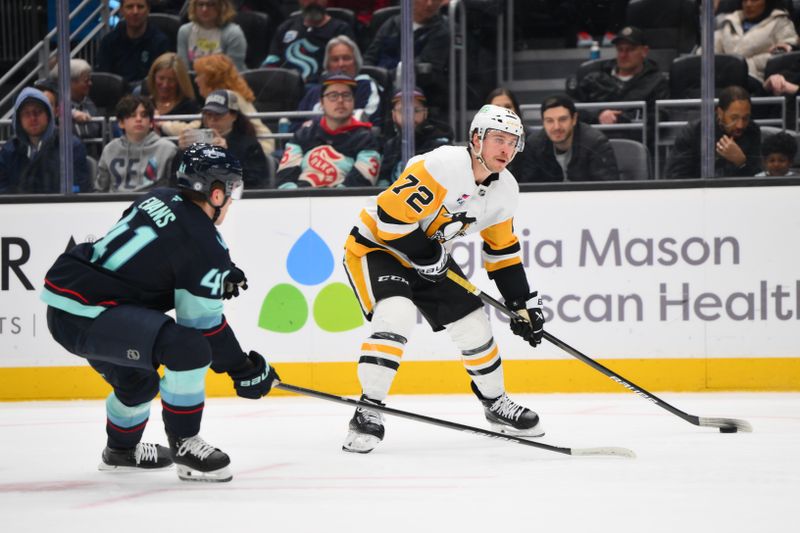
(125,416)
(197,312)
(184,388)
(70,306)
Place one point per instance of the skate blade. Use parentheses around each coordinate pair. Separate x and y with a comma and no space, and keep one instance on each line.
(360,442)
(103,467)
(214,476)
(534,432)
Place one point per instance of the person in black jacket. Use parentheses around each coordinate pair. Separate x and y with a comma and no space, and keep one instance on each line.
(629,77)
(737,141)
(233,131)
(566,149)
(428,135)
(133,45)
(431,50)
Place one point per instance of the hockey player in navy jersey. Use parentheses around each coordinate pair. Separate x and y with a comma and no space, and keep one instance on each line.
(107,302)
(397,258)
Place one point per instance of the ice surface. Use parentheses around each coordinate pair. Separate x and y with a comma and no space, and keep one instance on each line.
(291,475)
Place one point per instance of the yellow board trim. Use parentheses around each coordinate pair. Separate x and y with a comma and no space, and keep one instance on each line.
(449,377)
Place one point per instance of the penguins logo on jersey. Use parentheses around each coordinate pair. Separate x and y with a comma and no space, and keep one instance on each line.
(447,225)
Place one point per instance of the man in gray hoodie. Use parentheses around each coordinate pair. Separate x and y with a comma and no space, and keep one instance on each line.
(140,159)
(30,160)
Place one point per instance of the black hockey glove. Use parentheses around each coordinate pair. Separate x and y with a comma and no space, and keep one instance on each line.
(435,270)
(531,326)
(233,282)
(254,378)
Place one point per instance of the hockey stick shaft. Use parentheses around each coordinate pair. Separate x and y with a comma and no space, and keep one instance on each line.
(623,452)
(639,391)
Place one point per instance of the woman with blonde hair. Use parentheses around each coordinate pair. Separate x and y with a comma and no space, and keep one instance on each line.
(172,92)
(211,30)
(216,72)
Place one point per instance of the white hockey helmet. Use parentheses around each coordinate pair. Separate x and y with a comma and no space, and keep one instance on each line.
(494,117)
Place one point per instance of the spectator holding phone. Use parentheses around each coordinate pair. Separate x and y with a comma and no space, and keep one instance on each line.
(225,125)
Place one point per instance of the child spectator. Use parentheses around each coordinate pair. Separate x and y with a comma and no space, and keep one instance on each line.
(778,152)
(140,159)
(211,31)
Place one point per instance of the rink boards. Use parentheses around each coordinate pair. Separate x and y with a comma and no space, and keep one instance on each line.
(677,289)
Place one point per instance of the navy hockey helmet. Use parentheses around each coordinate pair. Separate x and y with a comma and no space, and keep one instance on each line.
(202,165)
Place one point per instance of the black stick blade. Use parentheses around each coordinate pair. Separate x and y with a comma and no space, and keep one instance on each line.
(724,423)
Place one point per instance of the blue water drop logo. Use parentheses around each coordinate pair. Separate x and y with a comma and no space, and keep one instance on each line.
(310,261)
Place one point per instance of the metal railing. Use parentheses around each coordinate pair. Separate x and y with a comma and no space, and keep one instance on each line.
(671,126)
(639,105)
(457,21)
(505,45)
(42,49)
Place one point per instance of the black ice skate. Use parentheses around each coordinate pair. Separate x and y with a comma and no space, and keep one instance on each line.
(196,460)
(507,416)
(144,456)
(366,429)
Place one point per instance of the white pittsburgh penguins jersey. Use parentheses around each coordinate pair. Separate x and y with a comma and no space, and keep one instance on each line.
(437,193)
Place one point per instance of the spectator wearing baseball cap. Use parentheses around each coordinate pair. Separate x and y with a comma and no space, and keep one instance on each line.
(343,55)
(428,134)
(631,76)
(222,113)
(336,150)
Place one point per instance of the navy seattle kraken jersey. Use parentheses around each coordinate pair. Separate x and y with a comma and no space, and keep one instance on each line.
(164,253)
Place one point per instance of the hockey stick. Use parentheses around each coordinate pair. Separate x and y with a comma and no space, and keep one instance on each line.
(607,450)
(725,425)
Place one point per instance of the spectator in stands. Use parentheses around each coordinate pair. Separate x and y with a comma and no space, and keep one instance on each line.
(737,141)
(30,162)
(232,130)
(629,77)
(130,48)
(778,152)
(218,72)
(507,99)
(83,109)
(139,159)
(431,50)
(334,151)
(566,149)
(211,30)
(755,31)
(784,83)
(342,55)
(428,135)
(300,42)
(169,85)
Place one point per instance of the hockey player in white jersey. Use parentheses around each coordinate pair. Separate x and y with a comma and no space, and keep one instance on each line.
(397,258)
